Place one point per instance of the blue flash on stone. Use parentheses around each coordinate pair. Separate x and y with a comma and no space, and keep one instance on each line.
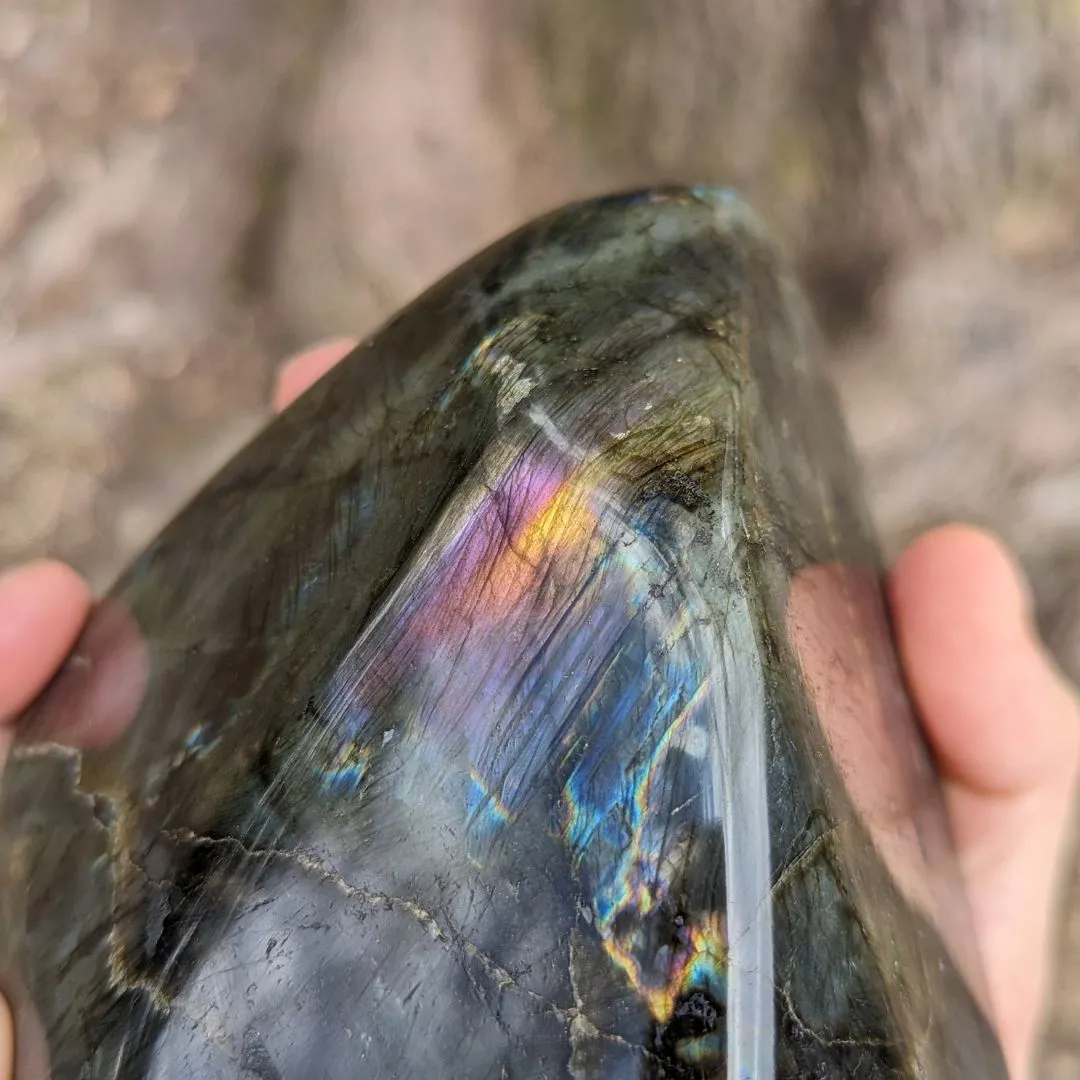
(346,770)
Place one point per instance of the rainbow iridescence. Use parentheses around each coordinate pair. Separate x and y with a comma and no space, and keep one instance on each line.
(549,630)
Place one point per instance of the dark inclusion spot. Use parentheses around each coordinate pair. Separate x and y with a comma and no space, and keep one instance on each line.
(676,486)
(255,1057)
(695,1036)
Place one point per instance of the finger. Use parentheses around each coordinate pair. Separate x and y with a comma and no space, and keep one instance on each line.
(7,1042)
(304,370)
(43,606)
(1005,727)
(997,713)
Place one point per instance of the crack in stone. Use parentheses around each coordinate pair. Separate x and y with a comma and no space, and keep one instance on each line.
(499,976)
(820,1039)
(109,813)
(582,1028)
(805,858)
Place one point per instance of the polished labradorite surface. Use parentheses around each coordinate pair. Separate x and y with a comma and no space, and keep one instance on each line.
(519,705)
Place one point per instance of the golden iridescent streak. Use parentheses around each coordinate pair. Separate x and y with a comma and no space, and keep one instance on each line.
(564,525)
(698,962)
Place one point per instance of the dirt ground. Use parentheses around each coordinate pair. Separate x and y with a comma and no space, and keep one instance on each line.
(191,188)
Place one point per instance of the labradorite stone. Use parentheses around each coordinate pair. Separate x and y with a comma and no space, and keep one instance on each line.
(520,703)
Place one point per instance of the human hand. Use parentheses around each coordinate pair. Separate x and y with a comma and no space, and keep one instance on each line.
(1004,725)
(43,606)
(1003,722)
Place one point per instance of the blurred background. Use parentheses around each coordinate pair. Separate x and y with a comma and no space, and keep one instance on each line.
(190,189)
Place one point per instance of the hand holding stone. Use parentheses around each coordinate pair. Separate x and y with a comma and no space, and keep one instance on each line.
(1003,723)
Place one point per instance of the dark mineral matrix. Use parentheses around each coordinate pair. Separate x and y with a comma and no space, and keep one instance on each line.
(520,704)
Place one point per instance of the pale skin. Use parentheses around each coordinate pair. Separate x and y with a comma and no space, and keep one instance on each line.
(1002,720)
